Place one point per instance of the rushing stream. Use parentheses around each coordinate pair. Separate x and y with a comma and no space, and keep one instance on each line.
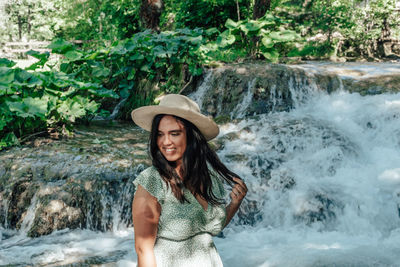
(324,190)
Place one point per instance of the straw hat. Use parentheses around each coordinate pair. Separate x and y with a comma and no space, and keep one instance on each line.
(178,105)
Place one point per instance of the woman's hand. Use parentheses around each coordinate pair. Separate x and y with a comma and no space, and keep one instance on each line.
(239,191)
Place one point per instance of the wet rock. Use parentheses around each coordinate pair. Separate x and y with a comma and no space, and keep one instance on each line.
(63,184)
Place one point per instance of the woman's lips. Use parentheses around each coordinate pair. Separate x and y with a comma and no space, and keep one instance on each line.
(169,150)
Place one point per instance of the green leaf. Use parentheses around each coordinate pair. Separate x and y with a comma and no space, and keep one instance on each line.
(73,55)
(145,68)
(267,42)
(60,46)
(211,31)
(252,26)
(8,140)
(36,106)
(271,55)
(2,124)
(6,75)
(24,78)
(29,107)
(195,40)
(84,86)
(137,56)
(100,72)
(70,110)
(4,62)
(38,55)
(104,93)
(230,24)
(132,74)
(19,108)
(86,103)
(225,39)
(118,50)
(283,36)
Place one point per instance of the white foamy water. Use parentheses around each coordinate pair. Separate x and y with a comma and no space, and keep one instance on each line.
(324,182)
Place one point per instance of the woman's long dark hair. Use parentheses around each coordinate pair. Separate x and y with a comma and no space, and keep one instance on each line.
(195,173)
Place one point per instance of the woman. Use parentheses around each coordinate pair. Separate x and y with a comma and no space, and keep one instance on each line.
(179,201)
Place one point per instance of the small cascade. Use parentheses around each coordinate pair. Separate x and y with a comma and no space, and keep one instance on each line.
(198,95)
(114,113)
(30,215)
(301,88)
(240,110)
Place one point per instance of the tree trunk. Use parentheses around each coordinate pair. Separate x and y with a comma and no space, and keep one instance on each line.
(150,12)
(19,27)
(260,8)
(29,23)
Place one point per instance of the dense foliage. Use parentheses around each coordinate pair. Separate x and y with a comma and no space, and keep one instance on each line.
(44,97)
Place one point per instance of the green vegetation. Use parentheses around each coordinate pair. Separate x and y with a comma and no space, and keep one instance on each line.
(34,99)
(119,59)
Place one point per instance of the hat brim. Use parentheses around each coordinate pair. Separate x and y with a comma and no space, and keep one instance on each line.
(144,116)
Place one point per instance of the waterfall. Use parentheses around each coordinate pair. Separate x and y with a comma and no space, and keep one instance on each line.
(326,181)
(198,95)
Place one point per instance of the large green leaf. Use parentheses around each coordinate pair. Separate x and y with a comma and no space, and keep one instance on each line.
(6,75)
(70,110)
(73,55)
(100,71)
(102,92)
(29,107)
(225,39)
(84,86)
(137,56)
(271,55)
(267,42)
(89,105)
(36,106)
(38,55)
(60,46)
(20,108)
(25,78)
(230,24)
(251,26)
(283,36)
(195,40)
(4,62)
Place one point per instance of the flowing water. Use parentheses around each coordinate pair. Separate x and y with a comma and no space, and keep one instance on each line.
(324,190)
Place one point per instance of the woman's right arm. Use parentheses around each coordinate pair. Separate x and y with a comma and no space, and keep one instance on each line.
(145,215)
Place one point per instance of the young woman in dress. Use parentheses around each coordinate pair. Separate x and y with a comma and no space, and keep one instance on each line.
(179,201)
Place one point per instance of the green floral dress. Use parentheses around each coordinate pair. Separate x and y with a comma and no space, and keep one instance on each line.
(185,231)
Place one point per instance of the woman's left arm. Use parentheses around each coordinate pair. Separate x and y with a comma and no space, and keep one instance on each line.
(239,191)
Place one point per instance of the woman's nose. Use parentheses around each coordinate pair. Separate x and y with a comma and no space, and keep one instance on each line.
(166,140)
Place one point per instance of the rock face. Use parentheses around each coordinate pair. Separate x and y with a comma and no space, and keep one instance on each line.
(84,182)
(241,90)
(236,91)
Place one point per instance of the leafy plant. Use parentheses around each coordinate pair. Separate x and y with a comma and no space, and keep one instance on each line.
(85,82)
(261,38)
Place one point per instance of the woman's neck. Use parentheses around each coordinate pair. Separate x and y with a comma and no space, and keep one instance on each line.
(178,169)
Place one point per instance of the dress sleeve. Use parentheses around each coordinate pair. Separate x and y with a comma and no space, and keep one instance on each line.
(152,182)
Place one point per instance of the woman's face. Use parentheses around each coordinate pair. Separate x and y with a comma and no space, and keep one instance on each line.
(171,139)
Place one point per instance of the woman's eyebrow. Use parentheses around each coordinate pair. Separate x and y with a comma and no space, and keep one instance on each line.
(175,131)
